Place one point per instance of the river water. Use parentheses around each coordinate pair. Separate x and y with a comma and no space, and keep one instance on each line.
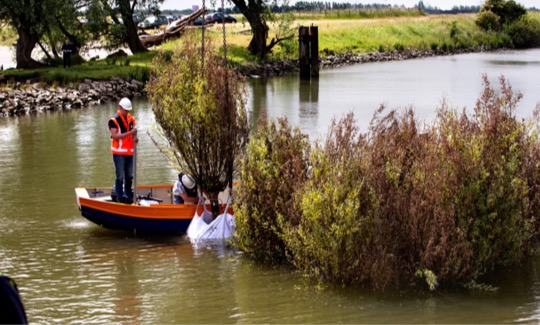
(421,84)
(71,271)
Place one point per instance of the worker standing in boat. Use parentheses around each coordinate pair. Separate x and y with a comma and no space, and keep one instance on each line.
(185,189)
(123,135)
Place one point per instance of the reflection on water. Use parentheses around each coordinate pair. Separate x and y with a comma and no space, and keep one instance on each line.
(308,111)
(421,84)
(72,271)
(508,62)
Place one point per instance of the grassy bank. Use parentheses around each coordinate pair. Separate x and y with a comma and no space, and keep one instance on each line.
(132,67)
(341,36)
(336,36)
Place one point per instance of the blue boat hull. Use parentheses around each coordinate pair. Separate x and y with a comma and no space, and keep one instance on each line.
(119,222)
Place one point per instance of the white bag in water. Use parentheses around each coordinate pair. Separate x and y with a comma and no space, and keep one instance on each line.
(199,223)
(221,228)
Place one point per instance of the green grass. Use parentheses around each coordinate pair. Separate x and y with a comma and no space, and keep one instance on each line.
(132,67)
(420,33)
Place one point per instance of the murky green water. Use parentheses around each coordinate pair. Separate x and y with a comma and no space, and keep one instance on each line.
(71,271)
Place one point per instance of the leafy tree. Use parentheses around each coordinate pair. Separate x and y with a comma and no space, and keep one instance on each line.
(200,108)
(65,25)
(46,23)
(258,13)
(511,18)
(30,19)
(127,9)
(488,21)
(113,19)
(97,19)
(508,11)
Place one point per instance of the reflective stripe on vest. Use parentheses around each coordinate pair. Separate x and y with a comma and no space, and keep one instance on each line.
(124,146)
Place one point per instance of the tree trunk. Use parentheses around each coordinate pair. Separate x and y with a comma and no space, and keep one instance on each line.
(132,39)
(214,203)
(253,13)
(23,52)
(257,45)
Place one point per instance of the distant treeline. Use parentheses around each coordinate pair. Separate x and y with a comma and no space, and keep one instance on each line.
(320,6)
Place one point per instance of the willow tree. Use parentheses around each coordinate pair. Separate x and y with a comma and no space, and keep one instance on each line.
(199,105)
(259,13)
(32,20)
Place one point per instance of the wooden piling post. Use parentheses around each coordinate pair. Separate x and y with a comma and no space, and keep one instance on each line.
(303,38)
(308,38)
(314,40)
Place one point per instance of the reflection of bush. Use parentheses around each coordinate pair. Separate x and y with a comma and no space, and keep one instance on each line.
(396,206)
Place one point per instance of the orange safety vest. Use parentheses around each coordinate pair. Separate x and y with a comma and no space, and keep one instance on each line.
(124,146)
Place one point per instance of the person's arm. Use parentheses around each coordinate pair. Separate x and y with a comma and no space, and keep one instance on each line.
(189,198)
(116,136)
(176,188)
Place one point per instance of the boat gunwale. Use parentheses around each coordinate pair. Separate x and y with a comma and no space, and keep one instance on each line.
(161,211)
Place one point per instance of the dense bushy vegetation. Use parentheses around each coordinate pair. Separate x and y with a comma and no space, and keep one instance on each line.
(273,170)
(511,18)
(525,33)
(399,205)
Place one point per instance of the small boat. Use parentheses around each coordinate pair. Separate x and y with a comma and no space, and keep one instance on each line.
(154,211)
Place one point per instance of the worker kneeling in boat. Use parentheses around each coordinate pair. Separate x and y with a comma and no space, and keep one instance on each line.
(185,190)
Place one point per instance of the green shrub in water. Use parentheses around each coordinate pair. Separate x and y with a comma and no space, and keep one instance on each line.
(274,168)
(337,233)
(397,206)
(475,195)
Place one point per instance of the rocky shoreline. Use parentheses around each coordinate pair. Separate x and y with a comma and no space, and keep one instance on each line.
(32,97)
(334,61)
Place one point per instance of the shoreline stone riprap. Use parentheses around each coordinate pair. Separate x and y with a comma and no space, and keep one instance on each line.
(32,97)
(270,69)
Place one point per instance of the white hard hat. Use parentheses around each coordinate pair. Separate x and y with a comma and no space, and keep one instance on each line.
(188,182)
(125,103)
